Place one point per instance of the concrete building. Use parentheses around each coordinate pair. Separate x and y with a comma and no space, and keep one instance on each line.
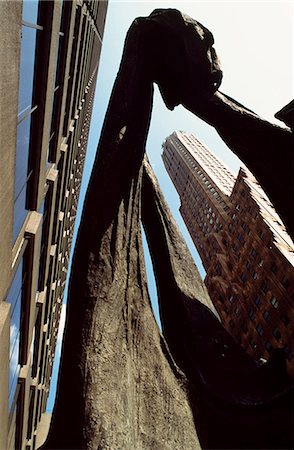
(246,252)
(49,60)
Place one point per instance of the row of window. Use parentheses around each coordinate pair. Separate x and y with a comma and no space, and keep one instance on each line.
(267,344)
(28,105)
(258,302)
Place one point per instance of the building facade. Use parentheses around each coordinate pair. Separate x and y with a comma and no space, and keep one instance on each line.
(49,61)
(246,252)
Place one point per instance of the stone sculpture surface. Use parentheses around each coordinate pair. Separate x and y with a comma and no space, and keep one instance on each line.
(122,384)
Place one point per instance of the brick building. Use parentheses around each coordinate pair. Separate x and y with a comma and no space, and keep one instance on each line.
(246,252)
(49,61)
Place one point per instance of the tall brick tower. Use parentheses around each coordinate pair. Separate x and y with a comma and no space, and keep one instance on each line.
(246,252)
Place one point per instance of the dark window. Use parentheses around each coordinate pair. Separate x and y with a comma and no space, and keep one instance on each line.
(251,313)
(232,298)
(252,343)
(244,327)
(274,268)
(274,302)
(285,282)
(46,206)
(269,346)
(237,311)
(260,329)
(254,275)
(264,287)
(266,316)
(261,235)
(253,253)
(284,318)
(232,324)
(243,277)
(289,354)
(277,334)
(257,301)
(247,264)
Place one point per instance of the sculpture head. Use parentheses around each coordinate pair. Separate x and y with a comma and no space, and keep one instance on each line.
(181,57)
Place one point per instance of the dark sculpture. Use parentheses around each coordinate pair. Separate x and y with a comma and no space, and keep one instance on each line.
(122,385)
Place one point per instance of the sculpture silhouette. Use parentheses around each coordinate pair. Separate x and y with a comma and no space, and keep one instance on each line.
(122,385)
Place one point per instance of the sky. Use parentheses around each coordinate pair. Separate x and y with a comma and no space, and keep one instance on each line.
(254,41)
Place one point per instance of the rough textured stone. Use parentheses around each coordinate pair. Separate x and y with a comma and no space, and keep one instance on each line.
(122,385)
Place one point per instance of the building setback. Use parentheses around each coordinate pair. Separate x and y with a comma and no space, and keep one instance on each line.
(246,252)
(49,61)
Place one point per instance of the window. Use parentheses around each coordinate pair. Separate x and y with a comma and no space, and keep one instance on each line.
(30,11)
(243,277)
(285,319)
(232,298)
(260,329)
(266,316)
(274,302)
(232,324)
(257,301)
(234,247)
(252,343)
(14,297)
(285,282)
(289,354)
(25,110)
(22,175)
(237,311)
(251,314)
(47,203)
(269,346)
(26,76)
(254,275)
(277,334)
(247,264)
(264,287)
(253,253)
(274,268)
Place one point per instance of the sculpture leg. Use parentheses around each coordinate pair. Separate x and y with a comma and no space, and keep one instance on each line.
(118,385)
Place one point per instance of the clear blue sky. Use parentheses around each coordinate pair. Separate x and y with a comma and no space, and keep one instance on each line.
(254,41)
